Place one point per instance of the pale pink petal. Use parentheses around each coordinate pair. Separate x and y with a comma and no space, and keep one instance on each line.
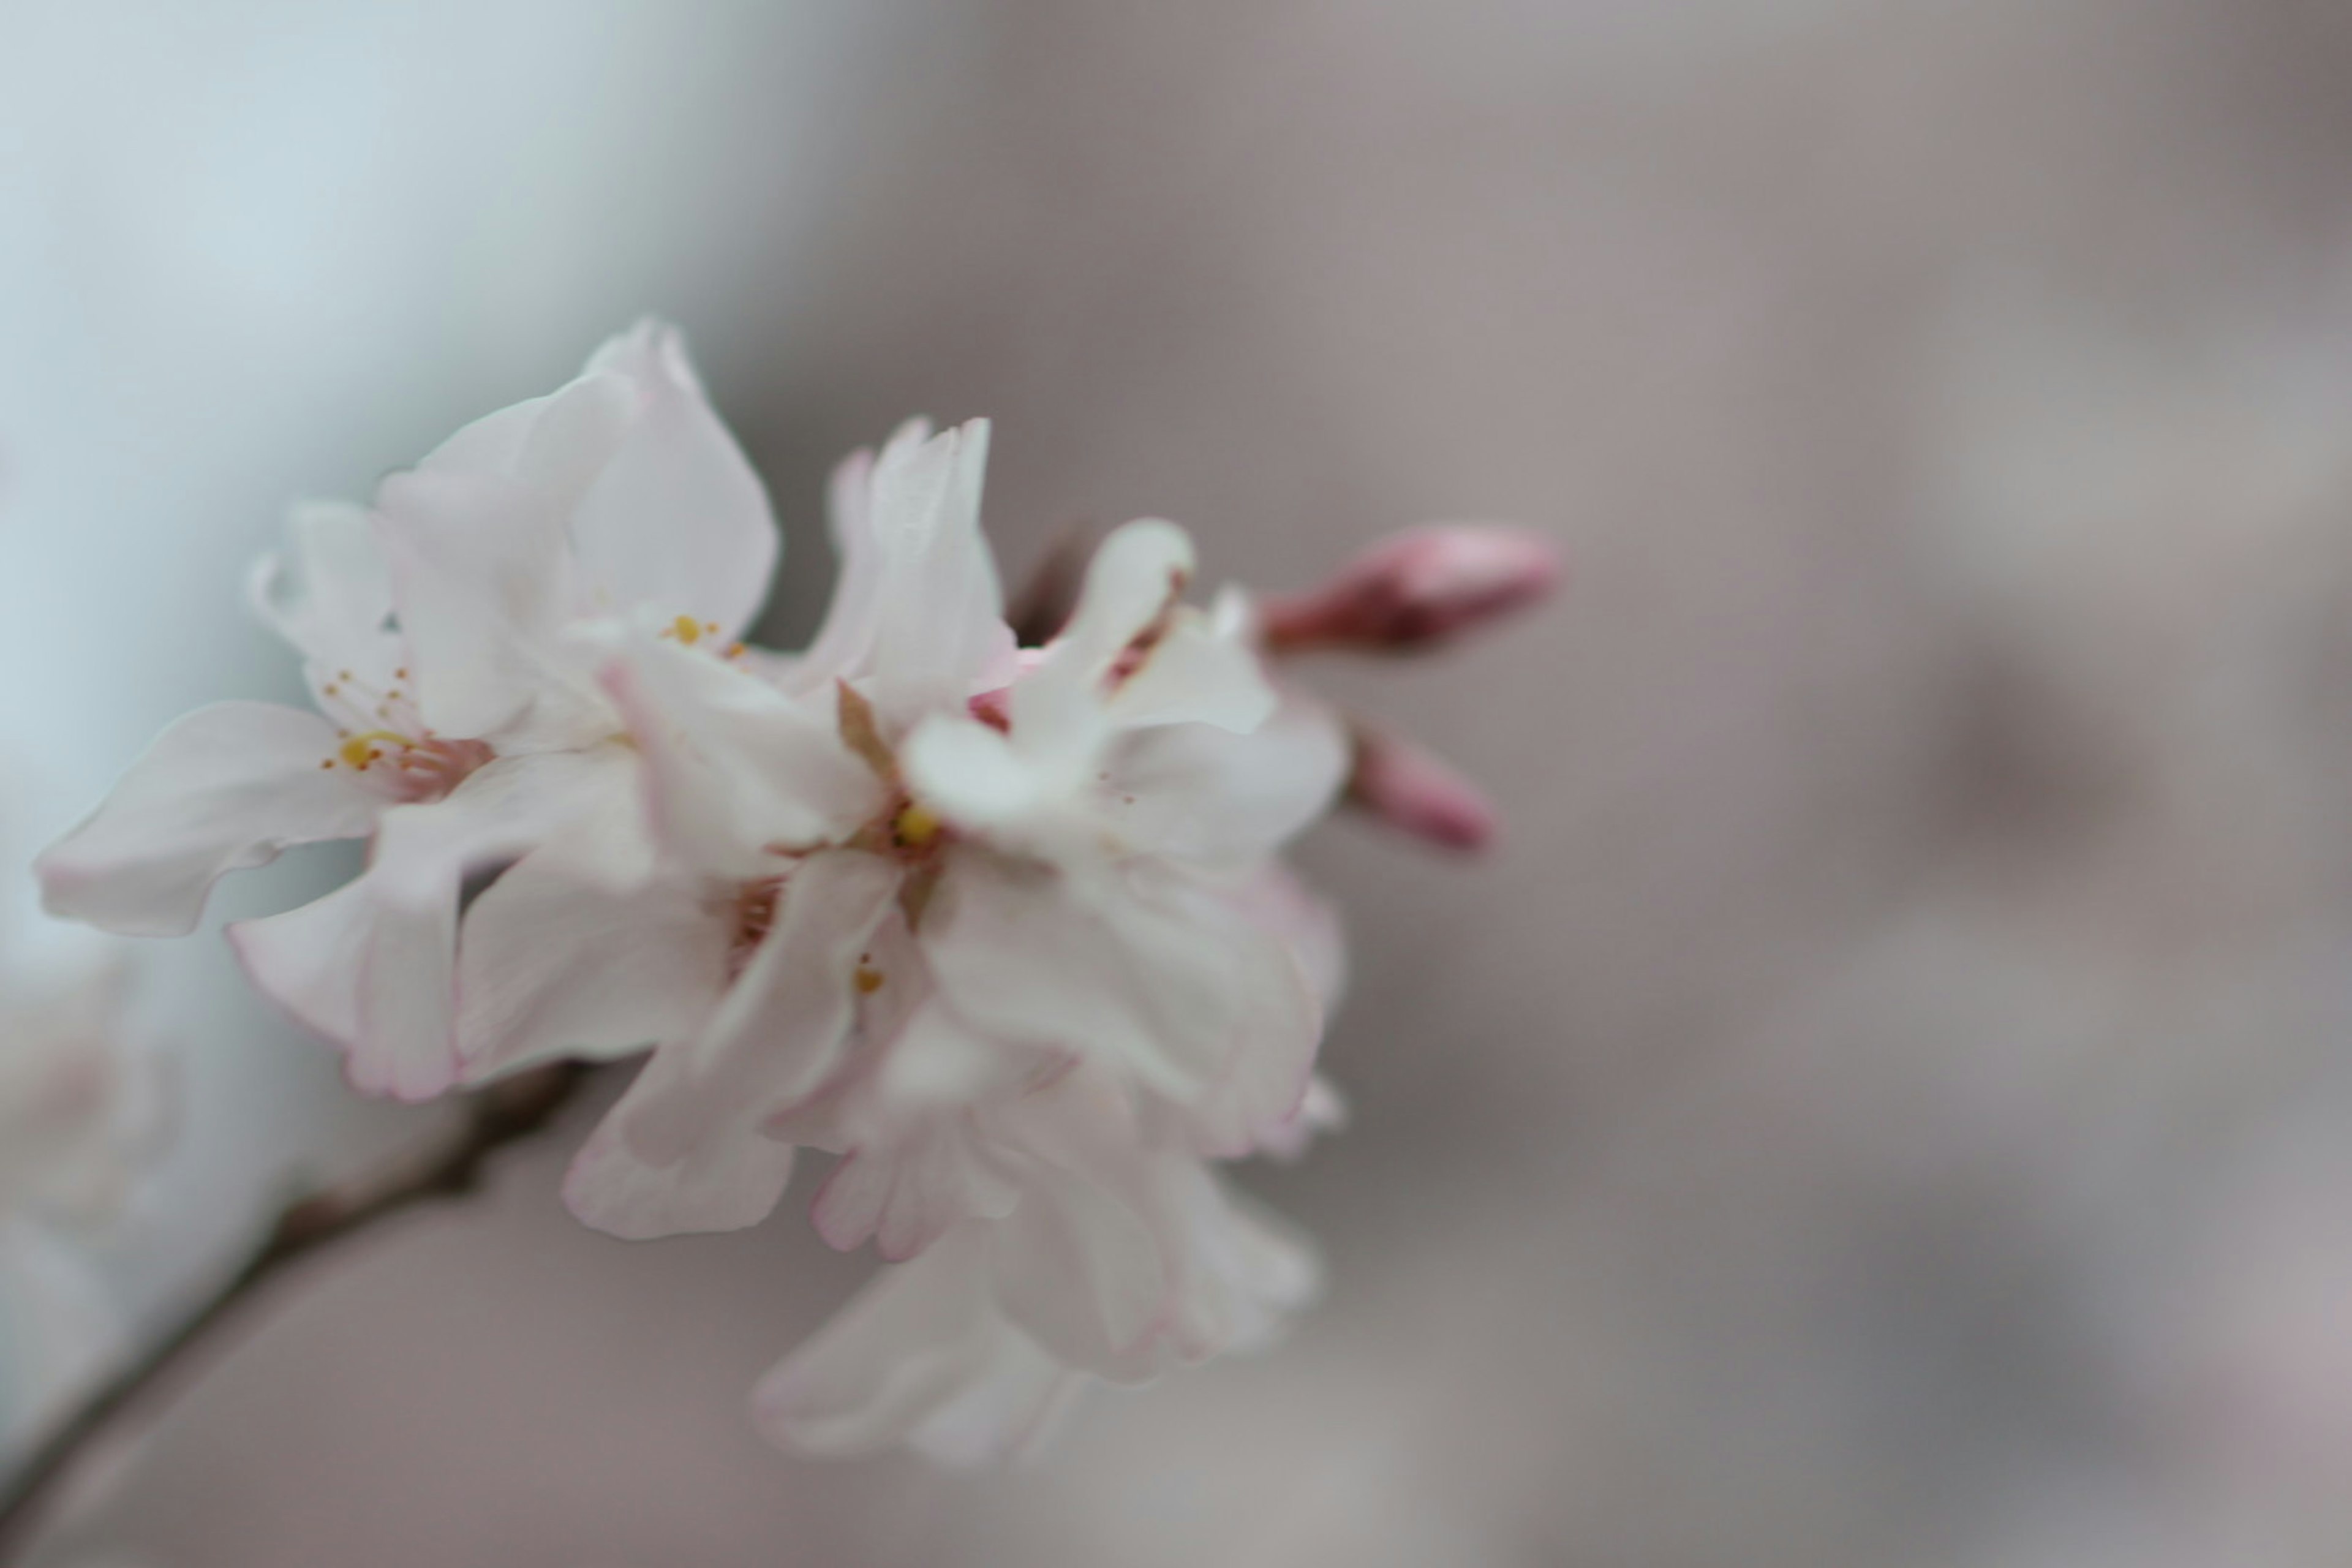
(724,1182)
(676,519)
(844,642)
(225,788)
(1245,1272)
(485,584)
(1208,794)
(1191,676)
(328,592)
(1135,966)
(1056,708)
(307,959)
(372,966)
(939,635)
(1080,1267)
(687,1148)
(919,1339)
(736,773)
(917,1156)
(1008,1412)
(970,773)
(552,961)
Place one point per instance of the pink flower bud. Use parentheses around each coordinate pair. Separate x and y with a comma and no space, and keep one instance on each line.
(1416,793)
(1417,589)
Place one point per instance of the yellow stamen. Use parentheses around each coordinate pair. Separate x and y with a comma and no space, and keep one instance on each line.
(360,749)
(869,980)
(915,826)
(687,630)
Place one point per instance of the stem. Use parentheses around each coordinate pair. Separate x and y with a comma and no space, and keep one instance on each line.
(448,1165)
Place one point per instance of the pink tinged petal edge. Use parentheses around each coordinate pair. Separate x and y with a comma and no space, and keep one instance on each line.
(226,788)
(685,1149)
(372,965)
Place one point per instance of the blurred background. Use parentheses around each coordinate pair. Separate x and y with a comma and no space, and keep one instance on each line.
(1889,1097)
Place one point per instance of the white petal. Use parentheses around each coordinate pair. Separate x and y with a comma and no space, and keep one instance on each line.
(736,773)
(225,788)
(916,1162)
(1141,968)
(1208,794)
(1193,676)
(485,584)
(921,1336)
(372,966)
(552,962)
(373,977)
(1081,1269)
(328,592)
(969,773)
(723,1183)
(676,519)
(1246,1273)
(1136,572)
(940,633)
(307,959)
(842,644)
(686,1147)
(1008,1412)
(423,853)
(1058,710)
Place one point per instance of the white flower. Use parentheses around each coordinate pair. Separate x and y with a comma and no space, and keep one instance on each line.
(460,722)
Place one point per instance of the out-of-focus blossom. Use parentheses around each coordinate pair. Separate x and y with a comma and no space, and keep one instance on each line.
(81,1112)
(459,722)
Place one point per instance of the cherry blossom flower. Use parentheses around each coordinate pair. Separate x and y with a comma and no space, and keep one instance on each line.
(877,904)
(458,721)
(1005,930)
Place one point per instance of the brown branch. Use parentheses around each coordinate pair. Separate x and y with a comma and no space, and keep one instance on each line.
(448,1164)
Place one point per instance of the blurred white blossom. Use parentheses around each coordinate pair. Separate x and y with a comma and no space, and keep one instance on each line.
(81,1112)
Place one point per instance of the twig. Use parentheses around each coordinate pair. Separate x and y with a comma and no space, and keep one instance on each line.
(448,1164)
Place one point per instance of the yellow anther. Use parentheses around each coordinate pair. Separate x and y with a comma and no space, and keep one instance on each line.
(869,980)
(360,749)
(915,827)
(687,630)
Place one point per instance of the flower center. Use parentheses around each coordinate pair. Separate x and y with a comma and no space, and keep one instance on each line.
(686,631)
(409,768)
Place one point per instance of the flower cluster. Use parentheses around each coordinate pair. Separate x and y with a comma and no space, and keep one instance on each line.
(1004,929)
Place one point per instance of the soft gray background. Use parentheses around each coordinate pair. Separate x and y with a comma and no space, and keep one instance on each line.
(1888,1098)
